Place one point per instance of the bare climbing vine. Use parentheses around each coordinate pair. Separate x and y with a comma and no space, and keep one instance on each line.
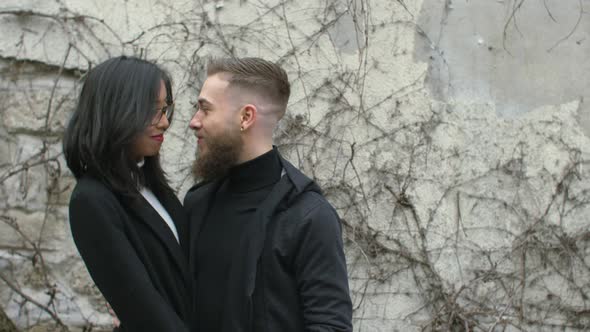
(432,243)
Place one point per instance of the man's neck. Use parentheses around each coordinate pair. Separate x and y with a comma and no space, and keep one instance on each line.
(253,151)
(256,173)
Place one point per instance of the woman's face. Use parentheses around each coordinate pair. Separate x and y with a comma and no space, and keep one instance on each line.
(148,143)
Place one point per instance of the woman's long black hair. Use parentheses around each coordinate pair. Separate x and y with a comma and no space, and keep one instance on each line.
(116,104)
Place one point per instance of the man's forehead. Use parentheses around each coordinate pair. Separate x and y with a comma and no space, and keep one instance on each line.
(213,89)
(218,80)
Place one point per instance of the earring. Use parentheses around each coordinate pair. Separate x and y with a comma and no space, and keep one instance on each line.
(241,128)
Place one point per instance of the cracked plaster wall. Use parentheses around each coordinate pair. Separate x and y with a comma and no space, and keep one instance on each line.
(515,55)
(460,168)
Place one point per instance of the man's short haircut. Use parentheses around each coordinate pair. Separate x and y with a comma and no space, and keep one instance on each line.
(263,77)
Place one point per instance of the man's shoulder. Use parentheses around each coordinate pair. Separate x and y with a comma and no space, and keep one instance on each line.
(310,205)
(310,215)
(307,199)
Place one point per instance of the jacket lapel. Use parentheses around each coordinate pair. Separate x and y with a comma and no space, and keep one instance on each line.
(179,217)
(144,211)
(196,203)
(242,275)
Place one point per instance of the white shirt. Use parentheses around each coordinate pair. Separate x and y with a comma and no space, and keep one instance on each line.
(155,203)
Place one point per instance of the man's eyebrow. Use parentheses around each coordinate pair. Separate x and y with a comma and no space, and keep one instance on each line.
(203,101)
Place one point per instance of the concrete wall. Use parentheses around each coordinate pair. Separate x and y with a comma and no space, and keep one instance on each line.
(452,136)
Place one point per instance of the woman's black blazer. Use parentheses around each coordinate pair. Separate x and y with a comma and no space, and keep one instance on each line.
(133,257)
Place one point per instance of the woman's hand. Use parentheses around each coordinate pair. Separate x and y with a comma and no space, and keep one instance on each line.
(116,321)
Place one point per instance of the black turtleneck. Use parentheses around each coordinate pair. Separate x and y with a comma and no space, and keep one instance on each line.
(241,192)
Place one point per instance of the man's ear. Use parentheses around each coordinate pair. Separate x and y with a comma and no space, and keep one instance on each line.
(248,115)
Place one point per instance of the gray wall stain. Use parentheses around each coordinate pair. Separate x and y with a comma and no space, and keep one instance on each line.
(347,33)
(464,45)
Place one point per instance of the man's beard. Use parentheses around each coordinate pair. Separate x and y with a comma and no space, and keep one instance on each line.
(222,153)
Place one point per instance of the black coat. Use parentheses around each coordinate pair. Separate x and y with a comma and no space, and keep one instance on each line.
(133,257)
(289,271)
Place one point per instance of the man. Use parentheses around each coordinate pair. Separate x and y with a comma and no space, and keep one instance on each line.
(266,247)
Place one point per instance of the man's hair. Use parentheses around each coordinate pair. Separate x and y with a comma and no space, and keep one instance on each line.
(263,77)
(116,104)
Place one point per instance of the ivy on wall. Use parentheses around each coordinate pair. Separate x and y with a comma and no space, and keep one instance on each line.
(453,220)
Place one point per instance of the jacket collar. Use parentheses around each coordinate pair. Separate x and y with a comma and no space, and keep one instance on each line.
(300,181)
(198,198)
(145,213)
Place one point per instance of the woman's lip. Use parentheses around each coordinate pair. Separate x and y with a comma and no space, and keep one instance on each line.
(159,138)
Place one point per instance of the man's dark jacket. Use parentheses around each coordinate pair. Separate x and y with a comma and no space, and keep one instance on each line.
(289,271)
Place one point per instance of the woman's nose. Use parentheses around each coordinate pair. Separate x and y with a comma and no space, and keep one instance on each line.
(163,123)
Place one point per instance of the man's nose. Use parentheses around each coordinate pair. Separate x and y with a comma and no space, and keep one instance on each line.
(195,122)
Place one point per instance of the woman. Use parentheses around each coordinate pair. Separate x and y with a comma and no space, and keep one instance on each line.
(126,221)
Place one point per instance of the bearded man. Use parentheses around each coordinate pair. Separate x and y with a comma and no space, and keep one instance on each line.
(266,246)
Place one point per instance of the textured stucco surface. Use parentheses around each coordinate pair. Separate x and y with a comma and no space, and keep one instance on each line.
(452,136)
